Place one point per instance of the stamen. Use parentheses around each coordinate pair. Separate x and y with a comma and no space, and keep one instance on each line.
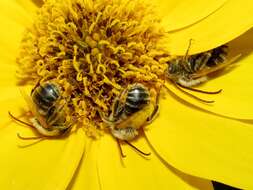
(138,150)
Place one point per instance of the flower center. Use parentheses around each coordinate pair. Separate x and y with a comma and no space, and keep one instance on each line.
(93,50)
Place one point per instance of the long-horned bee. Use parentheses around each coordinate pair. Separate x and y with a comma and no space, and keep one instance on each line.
(47,109)
(192,70)
(188,71)
(135,107)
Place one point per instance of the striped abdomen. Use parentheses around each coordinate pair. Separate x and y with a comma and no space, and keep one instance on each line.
(137,98)
(210,58)
(46,98)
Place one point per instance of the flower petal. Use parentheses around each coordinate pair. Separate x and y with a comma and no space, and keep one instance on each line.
(29,5)
(13,10)
(137,172)
(179,14)
(13,20)
(202,144)
(236,96)
(224,25)
(87,176)
(35,164)
(48,164)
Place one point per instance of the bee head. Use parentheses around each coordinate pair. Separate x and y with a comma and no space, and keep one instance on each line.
(174,69)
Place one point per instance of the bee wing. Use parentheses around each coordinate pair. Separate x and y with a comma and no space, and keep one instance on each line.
(207,71)
(33,109)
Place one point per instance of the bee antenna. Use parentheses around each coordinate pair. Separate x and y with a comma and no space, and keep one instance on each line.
(120,149)
(145,154)
(193,96)
(29,138)
(20,121)
(200,91)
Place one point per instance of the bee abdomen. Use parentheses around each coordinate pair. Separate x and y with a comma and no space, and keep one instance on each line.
(219,55)
(137,98)
(55,116)
(44,96)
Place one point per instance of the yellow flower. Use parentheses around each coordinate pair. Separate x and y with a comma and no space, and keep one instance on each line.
(187,140)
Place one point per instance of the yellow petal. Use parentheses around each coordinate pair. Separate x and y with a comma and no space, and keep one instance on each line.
(179,14)
(224,25)
(87,176)
(48,164)
(30,6)
(203,145)
(137,172)
(13,20)
(236,97)
(13,10)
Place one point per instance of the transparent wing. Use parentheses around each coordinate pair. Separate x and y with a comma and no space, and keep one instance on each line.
(207,71)
(33,109)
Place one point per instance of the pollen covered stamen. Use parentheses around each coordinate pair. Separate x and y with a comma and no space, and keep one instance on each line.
(93,50)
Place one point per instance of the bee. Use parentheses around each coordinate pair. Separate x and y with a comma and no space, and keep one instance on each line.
(48,110)
(188,71)
(192,70)
(135,107)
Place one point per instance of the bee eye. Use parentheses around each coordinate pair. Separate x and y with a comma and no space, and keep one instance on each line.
(172,68)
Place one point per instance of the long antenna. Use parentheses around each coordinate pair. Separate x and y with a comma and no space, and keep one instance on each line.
(120,149)
(30,138)
(138,150)
(191,95)
(200,91)
(20,121)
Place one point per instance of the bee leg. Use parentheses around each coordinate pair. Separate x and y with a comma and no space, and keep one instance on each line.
(44,131)
(104,118)
(187,51)
(202,61)
(138,150)
(151,118)
(36,85)
(197,90)
(117,109)
(156,108)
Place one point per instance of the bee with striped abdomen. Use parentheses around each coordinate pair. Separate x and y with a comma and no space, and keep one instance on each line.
(135,107)
(192,70)
(48,110)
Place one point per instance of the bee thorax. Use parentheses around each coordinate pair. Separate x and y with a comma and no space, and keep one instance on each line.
(192,82)
(128,133)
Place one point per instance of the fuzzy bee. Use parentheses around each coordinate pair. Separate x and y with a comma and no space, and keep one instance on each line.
(192,70)
(48,110)
(135,107)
